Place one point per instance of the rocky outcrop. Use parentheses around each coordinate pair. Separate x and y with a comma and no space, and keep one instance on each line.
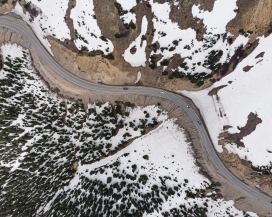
(6,7)
(247,68)
(253,17)
(95,69)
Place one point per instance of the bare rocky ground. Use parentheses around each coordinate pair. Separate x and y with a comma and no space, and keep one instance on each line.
(242,169)
(69,90)
(5,7)
(252,16)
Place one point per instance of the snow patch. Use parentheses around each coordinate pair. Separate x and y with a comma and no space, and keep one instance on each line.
(87,30)
(52,17)
(139,75)
(217,20)
(128,5)
(139,58)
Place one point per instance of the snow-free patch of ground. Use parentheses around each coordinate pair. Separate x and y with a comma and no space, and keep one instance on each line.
(87,30)
(50,19)
(139,58)
(248,92)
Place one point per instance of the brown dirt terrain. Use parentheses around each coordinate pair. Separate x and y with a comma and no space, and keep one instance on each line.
(253,15)
(4,8)
(242,169)
(247,68)
(95,69)
(260,55)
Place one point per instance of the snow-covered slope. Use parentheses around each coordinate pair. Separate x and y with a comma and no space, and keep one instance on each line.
(88,33)
(201,57)
(244,93)
(61,158)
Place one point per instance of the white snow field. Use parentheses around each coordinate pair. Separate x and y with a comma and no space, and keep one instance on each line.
(139,58)
(87,30)
(157,169)
(248,92)
(50,19)
(217,20)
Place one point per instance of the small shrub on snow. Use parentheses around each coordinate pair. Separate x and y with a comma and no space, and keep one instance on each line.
(146,157)
(164,62)
(120,9)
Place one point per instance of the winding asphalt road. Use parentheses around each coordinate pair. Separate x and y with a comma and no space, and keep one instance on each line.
(139,90)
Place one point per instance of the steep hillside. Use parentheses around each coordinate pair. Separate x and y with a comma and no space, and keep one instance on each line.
(189,51)
(253,16)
